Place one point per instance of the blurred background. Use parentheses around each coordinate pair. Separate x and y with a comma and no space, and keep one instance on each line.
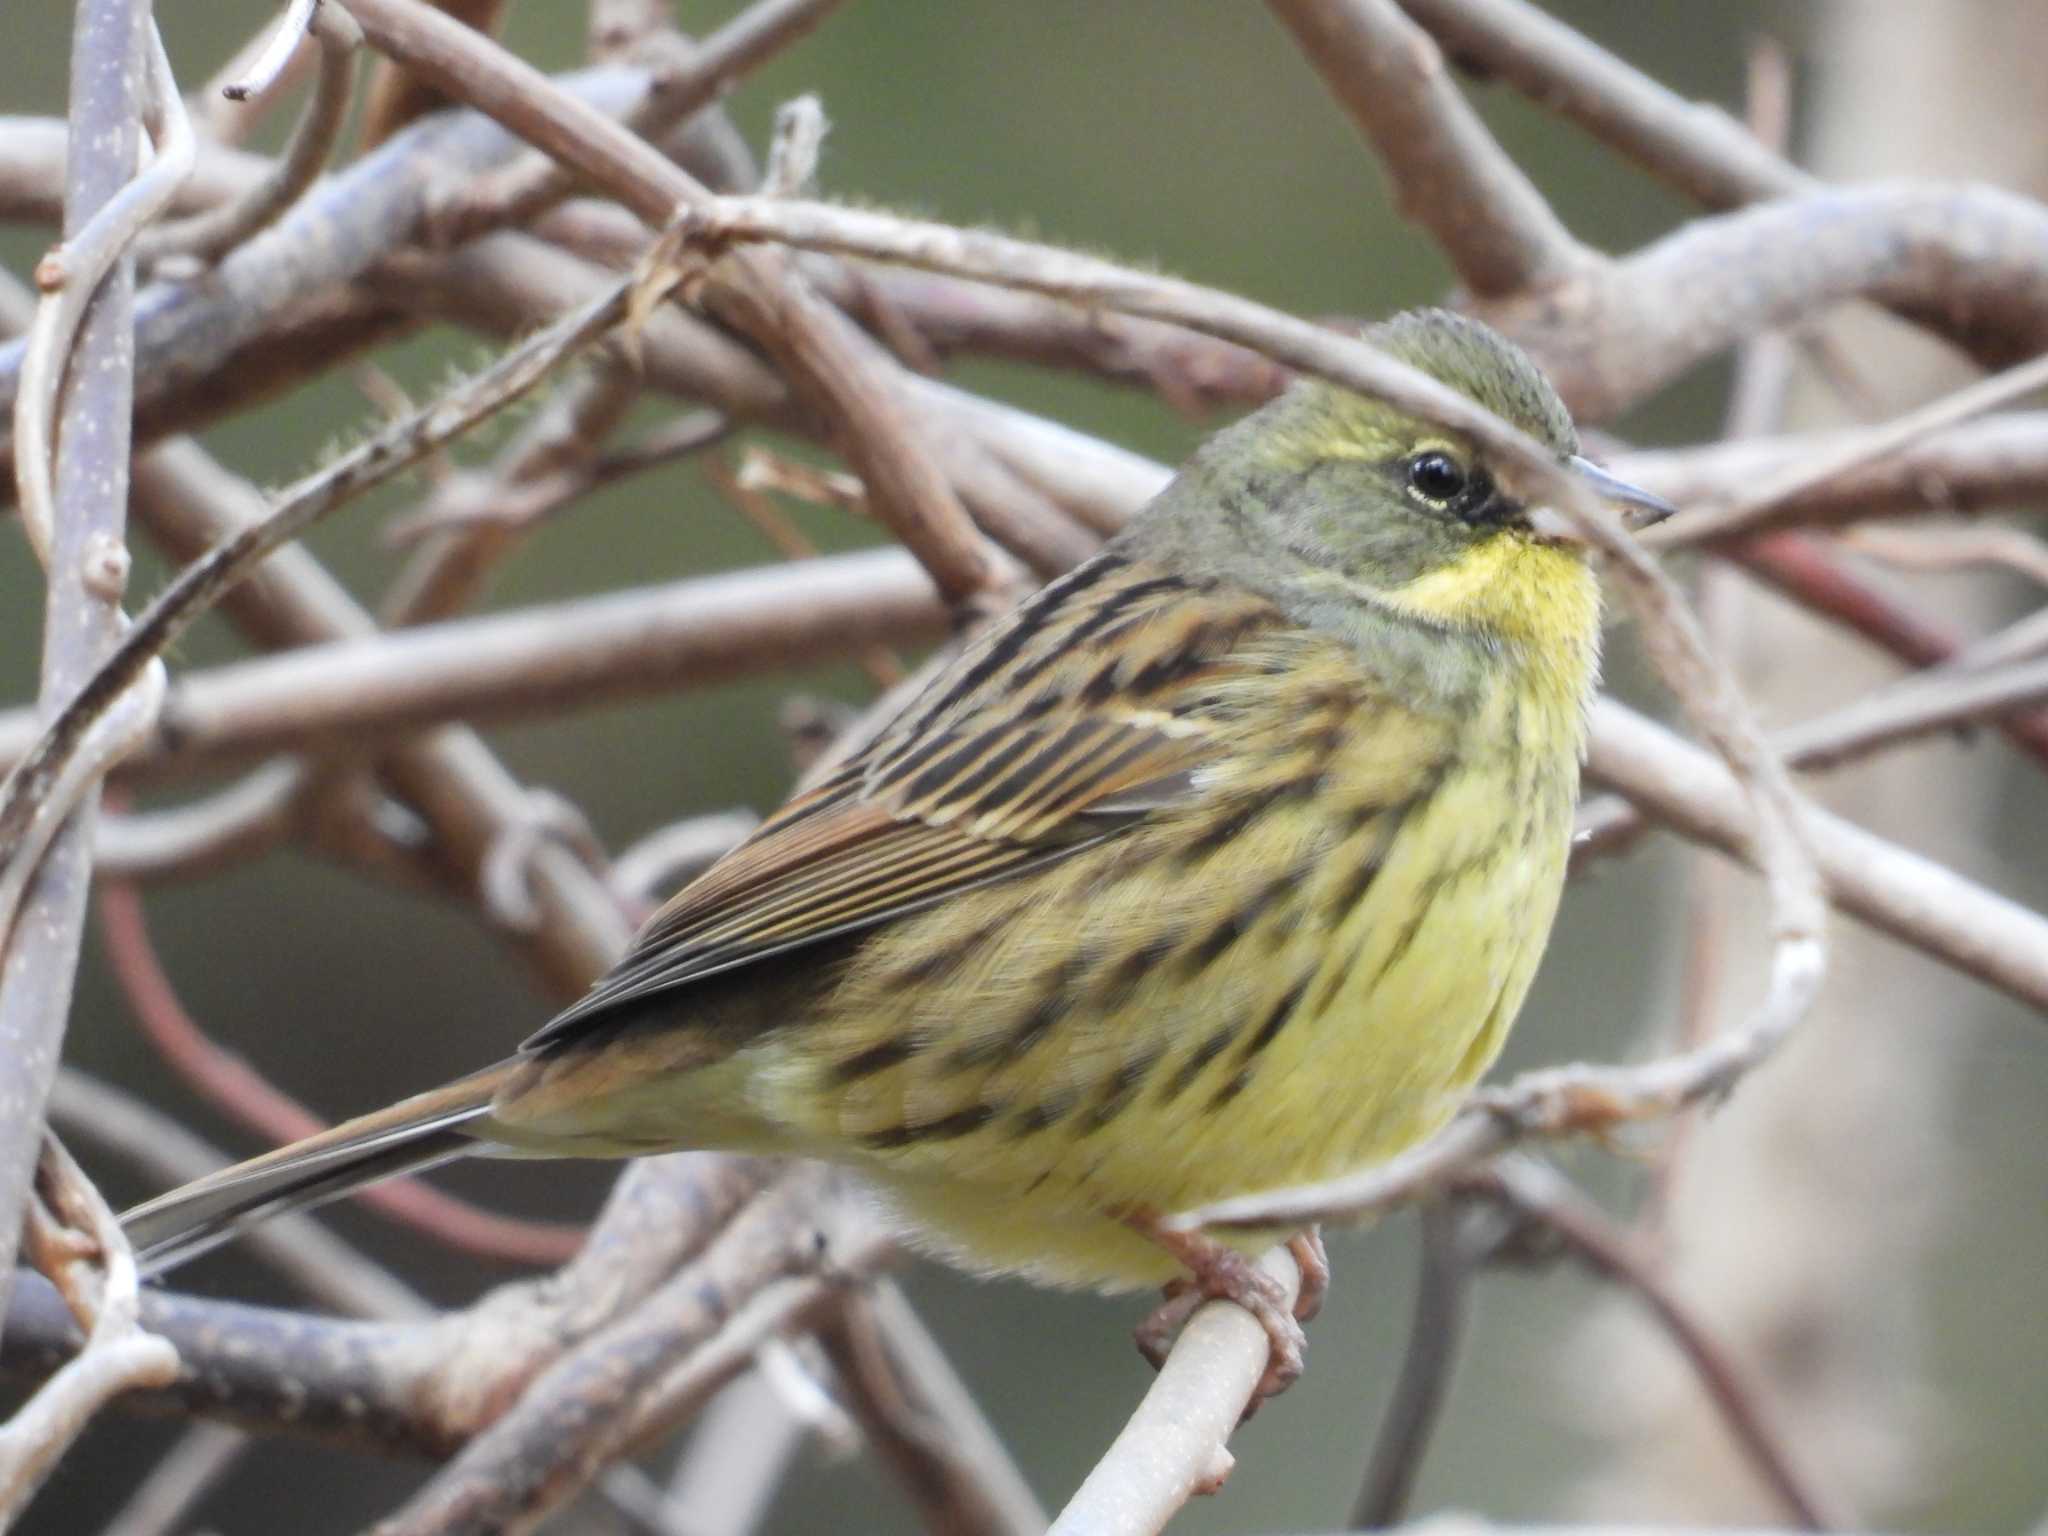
(1885,1192)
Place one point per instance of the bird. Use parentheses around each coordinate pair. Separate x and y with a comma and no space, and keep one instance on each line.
(1223,862)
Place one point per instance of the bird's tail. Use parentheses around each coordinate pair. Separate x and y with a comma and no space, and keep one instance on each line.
(414,1134)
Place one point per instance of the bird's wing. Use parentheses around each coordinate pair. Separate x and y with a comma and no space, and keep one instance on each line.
(1075,718)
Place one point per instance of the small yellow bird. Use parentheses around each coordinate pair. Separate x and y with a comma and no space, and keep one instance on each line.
(1224,862)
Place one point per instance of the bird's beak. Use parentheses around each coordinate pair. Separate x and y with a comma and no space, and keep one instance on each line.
(1638,508)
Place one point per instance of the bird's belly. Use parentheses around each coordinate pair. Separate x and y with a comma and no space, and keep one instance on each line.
(1228,1031)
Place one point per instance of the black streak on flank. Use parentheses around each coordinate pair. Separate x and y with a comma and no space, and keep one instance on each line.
(1275,1021)
(940,964)
(1135,967)
(1425,902)
(1045,1114)
(1353,890)
(947,1128)
(1014,1043)
(1230,1090)
(1123,1088)
(1234,927)
(1221,831)
(873,1060)
(1185,1074)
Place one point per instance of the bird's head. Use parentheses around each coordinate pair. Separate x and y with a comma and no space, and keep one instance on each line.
(1325,492)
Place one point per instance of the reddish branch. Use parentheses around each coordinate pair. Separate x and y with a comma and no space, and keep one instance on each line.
(246,1096)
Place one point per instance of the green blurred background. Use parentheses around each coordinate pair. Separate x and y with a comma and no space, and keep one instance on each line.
(1185,132)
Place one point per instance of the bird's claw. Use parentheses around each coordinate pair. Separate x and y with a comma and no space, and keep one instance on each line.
(1216,1272)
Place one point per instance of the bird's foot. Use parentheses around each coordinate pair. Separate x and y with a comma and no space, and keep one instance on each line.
(1218,1272)
(1313,1259)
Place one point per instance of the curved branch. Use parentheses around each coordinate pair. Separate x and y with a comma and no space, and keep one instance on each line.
(199,585)
(245,1095)
(1449,173)
(1700,149)
(1176,1444)
(212,234)
(1965,259)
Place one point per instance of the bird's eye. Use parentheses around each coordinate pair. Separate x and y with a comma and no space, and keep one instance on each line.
(1437,477)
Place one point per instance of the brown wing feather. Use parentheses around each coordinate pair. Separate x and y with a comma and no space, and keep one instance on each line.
(1041,740)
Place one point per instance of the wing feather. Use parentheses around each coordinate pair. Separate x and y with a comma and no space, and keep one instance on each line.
(1027,750)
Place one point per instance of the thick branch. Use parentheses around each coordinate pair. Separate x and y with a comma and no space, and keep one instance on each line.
(1700,149)
(710,629)
(82,618)
(1448,172)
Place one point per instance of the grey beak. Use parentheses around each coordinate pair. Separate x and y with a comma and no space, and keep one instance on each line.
(1638,508)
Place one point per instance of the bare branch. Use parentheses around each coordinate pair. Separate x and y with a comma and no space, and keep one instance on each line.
(1744,514)
(77,1242)
(1176,1444)
(1961,260)
(574,653)
(1537,1192)
(28,788)
(466,800)
(683,79)
(111,40)
(850,382)
(922,1421)
(1915,900)
(212,234)
(272,52)
(185,1474)
(1700,149)
(581,1410)
(1448,172)
(1451,1255)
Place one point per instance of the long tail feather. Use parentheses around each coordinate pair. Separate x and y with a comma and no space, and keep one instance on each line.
(415,1134)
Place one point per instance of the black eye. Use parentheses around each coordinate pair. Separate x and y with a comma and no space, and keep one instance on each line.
(1437,477)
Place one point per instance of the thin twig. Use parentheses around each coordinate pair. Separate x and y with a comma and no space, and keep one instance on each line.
(205,581)
(182,1476)
(1951,549)
(1539,1193)
(248,818)
(547,464)
(1176,1444)
(76,1241)
(274,51)
(463,798)
(684,78)
(1436,1335)
(1747,513)
(738,1453)
(211,235)
(1700,149)
(855,388)
(923,1422)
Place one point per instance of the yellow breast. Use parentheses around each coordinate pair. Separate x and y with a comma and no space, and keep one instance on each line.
(1290,996)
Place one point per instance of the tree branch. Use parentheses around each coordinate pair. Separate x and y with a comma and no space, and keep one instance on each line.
(1449,174)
